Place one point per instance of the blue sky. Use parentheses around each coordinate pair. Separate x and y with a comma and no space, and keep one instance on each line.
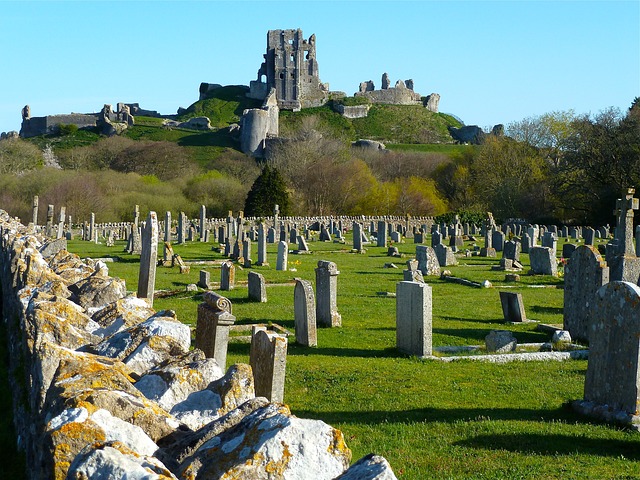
(491,62)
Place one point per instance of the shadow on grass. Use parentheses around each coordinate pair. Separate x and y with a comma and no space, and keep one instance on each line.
(480,334)
(441,415)
(295,349)
(553,445)
(541,309)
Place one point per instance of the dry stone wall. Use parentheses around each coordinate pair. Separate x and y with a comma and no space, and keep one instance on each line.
(104,386)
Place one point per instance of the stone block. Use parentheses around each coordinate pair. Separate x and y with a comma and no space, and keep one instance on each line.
(413,318)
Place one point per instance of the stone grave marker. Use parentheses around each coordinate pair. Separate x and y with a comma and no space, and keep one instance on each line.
(227,276)
(304,307)
(257,287)
(413,318)
(512,307)
(148,258)
(268,359)
(212,327)
(326,295)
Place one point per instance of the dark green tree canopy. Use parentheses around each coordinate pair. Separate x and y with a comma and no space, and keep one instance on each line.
(267,191)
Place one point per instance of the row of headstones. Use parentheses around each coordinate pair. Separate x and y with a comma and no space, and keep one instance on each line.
(324,306)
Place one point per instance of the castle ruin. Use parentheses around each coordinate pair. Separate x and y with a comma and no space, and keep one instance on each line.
(290,67)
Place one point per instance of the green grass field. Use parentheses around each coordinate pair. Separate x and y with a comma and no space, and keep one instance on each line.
(429,419)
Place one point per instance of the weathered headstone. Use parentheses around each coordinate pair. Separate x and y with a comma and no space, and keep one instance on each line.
(327,294)
(148,258)
(268,359)
(543,261)
(512,307)
(613,371)
(357,236)
(621,259)
(413,318)
(381,234)
(511,250)
(61,220)
(412,273)
(182,228)
(283,254)
(203,219)
(167,226)
(227,276)
(35,210)
(205,280)
(568,249)
(304,308)
(257,287)
(262,245)
(445,255)
(428,262)
(212,328)
(584,274)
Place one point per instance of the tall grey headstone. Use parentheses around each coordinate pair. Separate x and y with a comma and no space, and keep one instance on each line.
(613,370)
(148,258)
(512,307)
(304,308)
(428,262)
(283,254)
(381,234)
(257,287)
(167,226)
(327,294)
(203,220)
(543,261)
(35,210)
(262,245)
(584,274)
(268,359)
(413,318)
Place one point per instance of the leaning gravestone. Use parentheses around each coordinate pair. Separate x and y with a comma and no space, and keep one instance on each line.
(543,261)
(227,276)
(612,382)
(304,309)
(584,274)
(148,258)
(512,307)
(413,318)
(445,255)
(427,260)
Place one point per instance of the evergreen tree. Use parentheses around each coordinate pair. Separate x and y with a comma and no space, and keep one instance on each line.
(267,191)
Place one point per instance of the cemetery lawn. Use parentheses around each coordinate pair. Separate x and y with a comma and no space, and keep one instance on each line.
(429,419)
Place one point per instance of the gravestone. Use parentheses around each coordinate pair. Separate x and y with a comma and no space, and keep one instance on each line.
(445,255)
(512,307)
(167,226)
(203,219)
(412,273)
(428,262)
(268,359)
(262,245)
(34,215)
(357,236)
(304,308)
(283,254)
(525,242)
(489,227)
(589,236)
(327,294)
(381,234)
(436,239)
(584,274)
(396,237)
(568,249)
(418,237)
(511,250)
(227,276)
(257,287)
(549,240)
(497,240)
(205,280)
(543,261)
(61,220)
(613,370)
(182,228)
(302,245)
(246,251)
(93,233)
(621,259)
(148,258)
(212,327)
(413,318)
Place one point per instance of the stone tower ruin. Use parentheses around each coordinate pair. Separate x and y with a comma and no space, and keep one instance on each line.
(290,67)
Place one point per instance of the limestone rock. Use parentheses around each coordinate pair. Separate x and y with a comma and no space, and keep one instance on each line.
(53,247)
(472,134)
(97,291)
(58,321)
(270,443)
(148,344)
(75,428)
(114,461)
(108,385)
(121,314)
(371,467)
(197,123)
(179,385)
(501,341)
(70,267)
(369,144)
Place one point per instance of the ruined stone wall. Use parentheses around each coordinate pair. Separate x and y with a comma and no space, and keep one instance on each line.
(34,126)
(104,384)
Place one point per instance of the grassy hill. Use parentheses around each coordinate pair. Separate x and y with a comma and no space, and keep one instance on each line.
(406,124)
(224,106)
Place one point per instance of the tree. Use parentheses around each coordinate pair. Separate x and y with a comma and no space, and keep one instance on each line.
(267,191)
(18,156)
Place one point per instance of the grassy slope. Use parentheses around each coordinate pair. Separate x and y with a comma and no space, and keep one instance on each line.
(431,420)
